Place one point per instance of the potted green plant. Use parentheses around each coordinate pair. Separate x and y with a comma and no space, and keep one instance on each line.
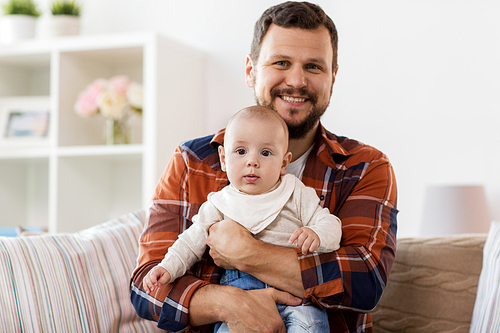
(18,21)
(64,21)
(65,7)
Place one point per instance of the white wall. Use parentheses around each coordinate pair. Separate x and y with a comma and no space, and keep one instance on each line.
(419,80)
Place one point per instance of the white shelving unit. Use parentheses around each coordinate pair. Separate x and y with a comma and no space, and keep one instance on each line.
(72,180)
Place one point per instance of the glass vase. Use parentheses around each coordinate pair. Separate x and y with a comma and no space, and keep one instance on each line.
(117,132)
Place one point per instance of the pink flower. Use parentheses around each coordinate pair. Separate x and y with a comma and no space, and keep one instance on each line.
(119,84)
(87,103)
(134,95)
(113,98)
(99,84)
(112,104)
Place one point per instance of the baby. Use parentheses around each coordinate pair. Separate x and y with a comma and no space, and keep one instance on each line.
(274,206)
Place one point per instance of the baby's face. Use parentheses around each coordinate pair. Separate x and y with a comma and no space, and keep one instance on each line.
(254,154)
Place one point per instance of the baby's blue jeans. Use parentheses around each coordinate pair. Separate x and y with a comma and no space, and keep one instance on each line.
(298,319)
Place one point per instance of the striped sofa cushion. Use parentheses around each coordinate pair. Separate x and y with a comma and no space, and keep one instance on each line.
(486,315)
(71,282)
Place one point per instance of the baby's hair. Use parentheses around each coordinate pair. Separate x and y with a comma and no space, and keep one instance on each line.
(262,112)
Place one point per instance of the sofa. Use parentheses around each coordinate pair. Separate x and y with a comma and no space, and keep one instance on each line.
(80,282)
(443,284)
(432,286)
(72,282)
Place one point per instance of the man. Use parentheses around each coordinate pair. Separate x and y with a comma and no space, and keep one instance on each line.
(292,69)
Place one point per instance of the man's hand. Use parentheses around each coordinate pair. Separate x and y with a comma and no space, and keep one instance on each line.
(242,310)
(234,247)
(230,243)
(258,312)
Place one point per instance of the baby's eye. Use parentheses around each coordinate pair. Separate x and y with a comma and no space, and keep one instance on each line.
(240,151)
(266,153)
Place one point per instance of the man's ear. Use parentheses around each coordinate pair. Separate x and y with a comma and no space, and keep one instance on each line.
(334,76)
(222,158)
(286,160)
(249,71)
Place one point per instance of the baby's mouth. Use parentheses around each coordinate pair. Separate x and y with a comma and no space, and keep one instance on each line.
(251,178)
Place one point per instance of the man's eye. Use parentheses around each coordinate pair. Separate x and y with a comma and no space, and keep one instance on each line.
(266,153)
(240,151)
(281,63)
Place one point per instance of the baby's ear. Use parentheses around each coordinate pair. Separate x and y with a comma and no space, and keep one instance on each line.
(222,158)
(286,160)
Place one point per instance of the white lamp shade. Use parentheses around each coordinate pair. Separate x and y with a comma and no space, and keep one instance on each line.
(455,210)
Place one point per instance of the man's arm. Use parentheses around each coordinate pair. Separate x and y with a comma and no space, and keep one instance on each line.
(243,311)
(355,276)
(352,277)
(232,246)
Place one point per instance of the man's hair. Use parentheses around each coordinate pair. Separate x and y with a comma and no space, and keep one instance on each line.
(291,14)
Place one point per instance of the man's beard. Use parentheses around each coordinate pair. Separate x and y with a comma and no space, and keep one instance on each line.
(300,130)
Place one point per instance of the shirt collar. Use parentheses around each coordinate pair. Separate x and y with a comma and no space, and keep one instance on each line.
(328,148)
(325,139)
(218,138)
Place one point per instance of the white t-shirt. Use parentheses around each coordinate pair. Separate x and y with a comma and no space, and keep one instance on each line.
(297,167)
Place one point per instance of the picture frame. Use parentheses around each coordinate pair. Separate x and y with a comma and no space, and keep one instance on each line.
(24,122)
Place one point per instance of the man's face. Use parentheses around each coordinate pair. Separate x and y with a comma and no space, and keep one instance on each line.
(294,75)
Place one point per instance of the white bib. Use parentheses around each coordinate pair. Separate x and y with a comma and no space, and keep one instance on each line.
(264,207)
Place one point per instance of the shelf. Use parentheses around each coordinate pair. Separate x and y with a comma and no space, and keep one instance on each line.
(82,68)
(24,191)
(25,153)
(106,150)
(97,189)
(35,47)
(71,179)
(25,75)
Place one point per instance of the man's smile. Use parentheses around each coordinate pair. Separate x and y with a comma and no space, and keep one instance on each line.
(297,97)
(291,99)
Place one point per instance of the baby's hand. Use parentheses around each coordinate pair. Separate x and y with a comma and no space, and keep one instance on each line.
(306,239)
(155,278)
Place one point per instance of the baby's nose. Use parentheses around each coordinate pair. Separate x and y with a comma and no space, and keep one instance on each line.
(252,163)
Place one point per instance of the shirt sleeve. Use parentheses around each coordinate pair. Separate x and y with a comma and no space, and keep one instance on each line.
(355,276)
(169,215)
(191,244)
(325,225)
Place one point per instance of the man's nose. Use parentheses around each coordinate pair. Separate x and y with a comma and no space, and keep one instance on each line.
(296,77)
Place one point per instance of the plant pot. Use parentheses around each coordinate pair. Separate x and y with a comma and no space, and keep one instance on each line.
(58,25)
(14,28)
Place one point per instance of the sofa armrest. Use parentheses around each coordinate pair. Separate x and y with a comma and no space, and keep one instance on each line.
(432,286)
(76,282)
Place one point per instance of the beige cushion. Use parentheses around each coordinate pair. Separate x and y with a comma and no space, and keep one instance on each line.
(432,287)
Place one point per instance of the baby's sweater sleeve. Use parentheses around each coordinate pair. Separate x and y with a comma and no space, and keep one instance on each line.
(191,244)
(327,226)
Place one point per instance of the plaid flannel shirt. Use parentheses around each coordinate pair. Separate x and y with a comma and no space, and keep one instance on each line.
(355,181)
